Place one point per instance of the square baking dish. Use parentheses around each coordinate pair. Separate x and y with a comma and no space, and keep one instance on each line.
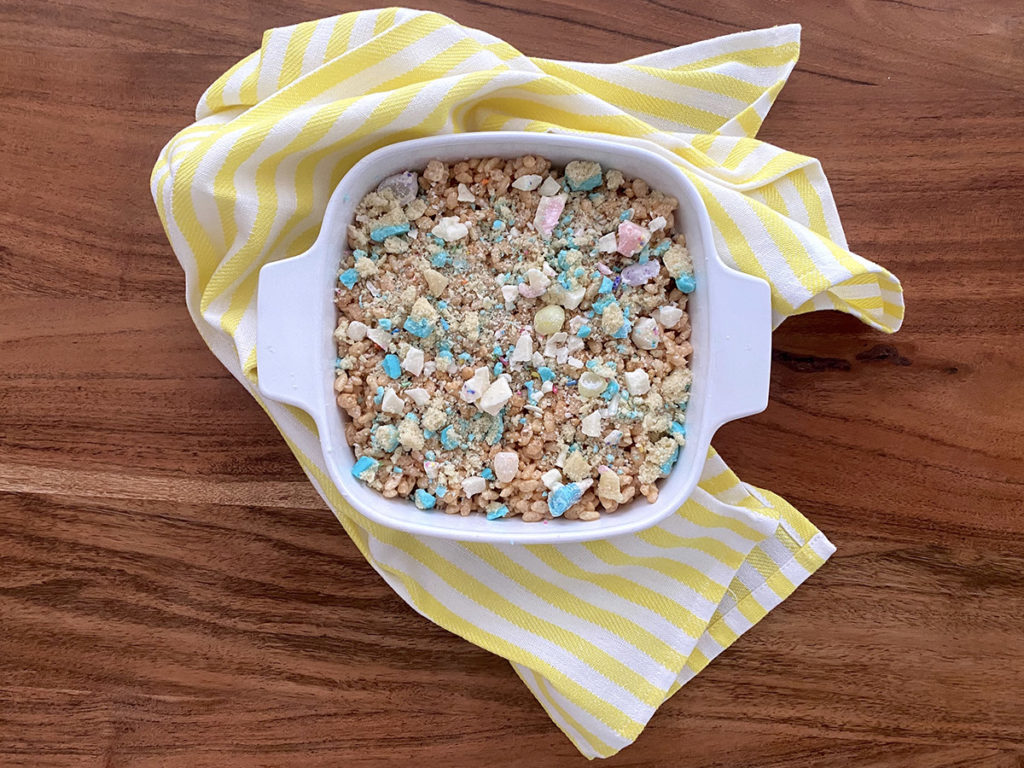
(730,315)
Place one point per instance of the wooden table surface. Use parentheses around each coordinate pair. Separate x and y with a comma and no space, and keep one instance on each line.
(173,593)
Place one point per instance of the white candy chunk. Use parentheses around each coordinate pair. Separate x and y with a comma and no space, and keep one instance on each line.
(574,362)
(494,399)
(418,395)
(606,243)
(658,222)
(392,403)
(527,183)
(668,316)
(506,466)
(613,437)
(536,283)
(473,389)
(549,211)
(613,406)
(577,322)
(474,485)
(509,293)
(591,424)
(573,297)
(555,344)
(551,479)
(380,337)
(548,270)
(537,359)
(429,368)
(645,333)
(450,229)
(465,196)
(591,385)
(356,331)
(547,386)
(550,187)
(573,344)
(638,382)
(413,362)
(561,457)
(524,349)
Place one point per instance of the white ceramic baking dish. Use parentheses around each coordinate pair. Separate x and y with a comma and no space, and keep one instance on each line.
(729,311)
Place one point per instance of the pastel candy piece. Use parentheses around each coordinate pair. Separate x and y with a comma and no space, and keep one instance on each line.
(506,466)
(392,367)
(583,175)
(645,333)
(474,485)
(686,283)
(668,316)
(632,238)
(565,496)
(403,185)
(413,362)
(419,327)
(365,468)
(527,183)
(497,513)
(424,500)
(349,277)
(381,234)
(450,229)
(495,397)
(549,210)
(641,274)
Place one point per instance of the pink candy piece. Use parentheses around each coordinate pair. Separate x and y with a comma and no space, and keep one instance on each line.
(632,238)
(549,210)
(603,268)
(641,274)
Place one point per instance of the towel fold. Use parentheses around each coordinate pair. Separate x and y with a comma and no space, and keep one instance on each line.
(603,632)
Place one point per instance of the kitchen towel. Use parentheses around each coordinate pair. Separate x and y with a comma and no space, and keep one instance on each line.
(601,633)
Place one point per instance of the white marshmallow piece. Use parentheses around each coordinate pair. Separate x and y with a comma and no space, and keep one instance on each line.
(506,466)
(392,403)
(668,316)
(418,395)
(474,485)
(494,399)
(465,196)
(450,229)
(413,362)
(550,187)
(524,349)
(591,424)
(658,222)
(551,479)
(606,243)
(527,183)
(356,330)
(509,293)
(473,389)
(638,382)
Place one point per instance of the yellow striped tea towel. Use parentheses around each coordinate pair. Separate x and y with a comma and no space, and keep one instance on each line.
(601,633)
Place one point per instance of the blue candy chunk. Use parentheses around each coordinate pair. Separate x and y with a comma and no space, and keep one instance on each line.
(381,234)
(498,225)
(424,500)
(498,368)
(626,214)
(677,429)
(686,283)
(385,324)
(497,513)
(583,332)
(487,474)
(429,433)
(358,253)
(349,277)
(563,497)
(606,285)
(587,184)
(379,397)
(546,374)
(662,247)
(440,491)
(448,440)
(439,259)
(603,303)
(623,331)
(669,462)
(431,456)
(610,390)
(392,366)
(418,327)
(365,468)
(444,324)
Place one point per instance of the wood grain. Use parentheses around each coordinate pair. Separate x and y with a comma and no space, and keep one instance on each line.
(172,593)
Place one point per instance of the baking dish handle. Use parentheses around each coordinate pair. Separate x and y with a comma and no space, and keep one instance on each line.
(741,327)
(289,326)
